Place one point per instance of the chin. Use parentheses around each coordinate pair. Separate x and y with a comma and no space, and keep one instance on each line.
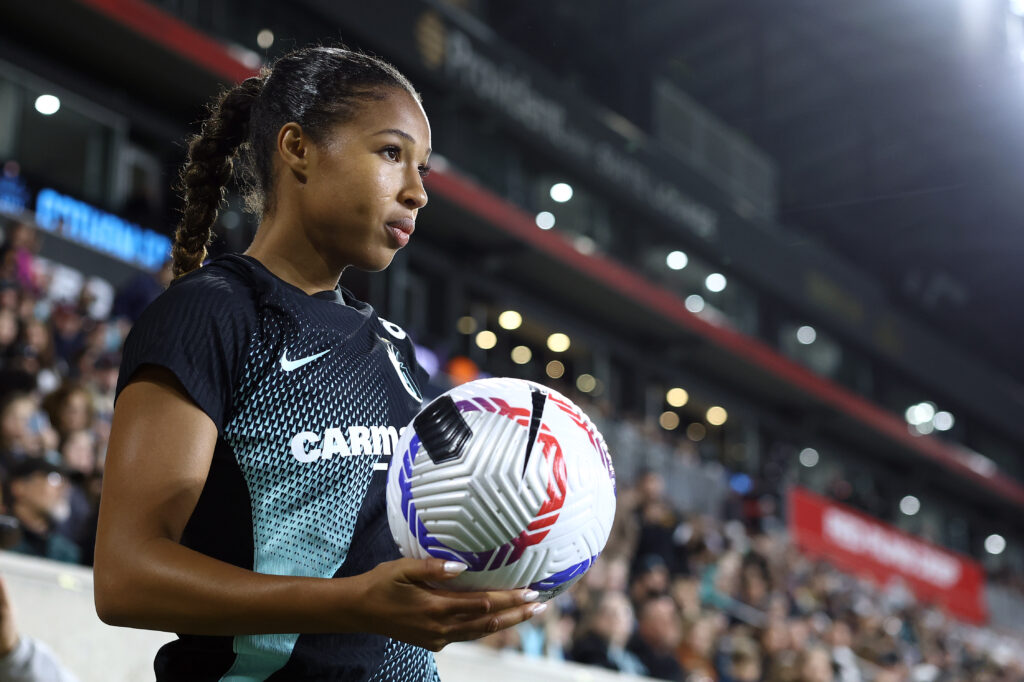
(376,262)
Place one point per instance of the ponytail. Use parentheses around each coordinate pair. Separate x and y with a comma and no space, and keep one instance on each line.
(207,171)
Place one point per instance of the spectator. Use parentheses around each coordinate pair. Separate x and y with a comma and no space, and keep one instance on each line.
(839,638)
(816,665)
(40,500)
(36,354)
(604,633)
(658,635)
(650,578)
(78,454)
(68,333)
(139,291)
(24,659)
(17,258)
(744,661)
(24,430)
(71,408)
(8,335)
(696,652)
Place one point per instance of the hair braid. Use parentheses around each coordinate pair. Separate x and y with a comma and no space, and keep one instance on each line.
(207,171)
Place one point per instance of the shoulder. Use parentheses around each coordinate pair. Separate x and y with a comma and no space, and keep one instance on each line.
(214,297)
(213,286)
(199,329)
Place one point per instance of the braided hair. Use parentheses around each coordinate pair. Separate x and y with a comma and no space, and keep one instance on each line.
(316,87)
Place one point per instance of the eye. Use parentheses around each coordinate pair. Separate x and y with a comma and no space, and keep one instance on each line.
(424,171)
(392,153)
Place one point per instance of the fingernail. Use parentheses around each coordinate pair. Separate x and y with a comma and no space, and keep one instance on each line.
(454,567)
(538,609)
(530,595)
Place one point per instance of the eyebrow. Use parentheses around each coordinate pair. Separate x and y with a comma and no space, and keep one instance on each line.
(400,133)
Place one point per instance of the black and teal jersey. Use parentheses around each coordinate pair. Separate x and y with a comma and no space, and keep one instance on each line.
(309,394)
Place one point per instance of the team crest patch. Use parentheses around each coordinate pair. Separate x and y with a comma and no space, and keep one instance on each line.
(398,362)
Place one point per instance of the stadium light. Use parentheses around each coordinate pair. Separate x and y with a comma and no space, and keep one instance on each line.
(925,428)
(995,544)
(676,260)
(561,192)
(809,457)
(715,282)
(677,397)
(695,303)
(510,319)
(265,38)
(943,421)
(521,355)
(696,432)
(910,505)
(669,420)
(806,335)
(716,415)
(586,383)
(487,339)
(558,342)
(47,105)
(555,369)
(545,220)
(466,325)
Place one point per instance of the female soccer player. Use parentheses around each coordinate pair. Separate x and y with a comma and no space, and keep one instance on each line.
(258,404)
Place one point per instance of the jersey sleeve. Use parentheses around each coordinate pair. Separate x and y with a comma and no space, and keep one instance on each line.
(198,329)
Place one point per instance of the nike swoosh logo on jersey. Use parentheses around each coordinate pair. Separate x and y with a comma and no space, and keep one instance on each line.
(288,365)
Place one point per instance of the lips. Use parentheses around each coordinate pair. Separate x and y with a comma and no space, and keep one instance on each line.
(401,230)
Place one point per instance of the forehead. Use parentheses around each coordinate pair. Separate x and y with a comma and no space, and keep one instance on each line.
(396,109)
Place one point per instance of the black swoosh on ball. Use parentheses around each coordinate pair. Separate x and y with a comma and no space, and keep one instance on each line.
(539,400)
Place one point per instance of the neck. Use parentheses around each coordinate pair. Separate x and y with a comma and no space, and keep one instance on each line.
(292,259)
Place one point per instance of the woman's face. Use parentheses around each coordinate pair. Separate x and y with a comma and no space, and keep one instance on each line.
(364,186)
(74,413)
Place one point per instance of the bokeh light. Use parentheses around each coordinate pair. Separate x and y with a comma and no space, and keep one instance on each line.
(486,339)
(669,420)
(558,342)
(677,397)
(510,319)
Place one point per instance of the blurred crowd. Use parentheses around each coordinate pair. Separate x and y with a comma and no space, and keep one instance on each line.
(58,373)
(693,598)
(695,584)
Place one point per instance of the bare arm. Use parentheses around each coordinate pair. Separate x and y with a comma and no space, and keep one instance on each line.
(161,447)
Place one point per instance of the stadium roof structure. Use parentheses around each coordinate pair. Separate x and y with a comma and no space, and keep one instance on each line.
(897,127)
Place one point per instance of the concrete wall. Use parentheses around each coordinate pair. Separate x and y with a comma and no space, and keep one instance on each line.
(54,602)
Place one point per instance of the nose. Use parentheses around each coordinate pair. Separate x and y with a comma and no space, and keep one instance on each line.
(414,195)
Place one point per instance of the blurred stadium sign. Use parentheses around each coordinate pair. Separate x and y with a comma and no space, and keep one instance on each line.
(14,194)
(856,543)
(532,100)
(105,232)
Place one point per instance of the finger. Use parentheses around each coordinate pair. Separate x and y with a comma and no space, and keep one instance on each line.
(495,600)
(494,622)
(426,570)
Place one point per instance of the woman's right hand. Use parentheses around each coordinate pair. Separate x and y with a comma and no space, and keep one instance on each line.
(397,602)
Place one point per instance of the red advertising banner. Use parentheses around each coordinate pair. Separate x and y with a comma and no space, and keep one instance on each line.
(866,547)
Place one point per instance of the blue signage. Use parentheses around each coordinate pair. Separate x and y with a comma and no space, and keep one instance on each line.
(85,224)
(13,194)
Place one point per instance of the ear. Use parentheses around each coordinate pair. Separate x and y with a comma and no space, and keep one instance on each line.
(293,146)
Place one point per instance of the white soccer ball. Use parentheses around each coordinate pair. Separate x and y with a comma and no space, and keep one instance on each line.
(507,476)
